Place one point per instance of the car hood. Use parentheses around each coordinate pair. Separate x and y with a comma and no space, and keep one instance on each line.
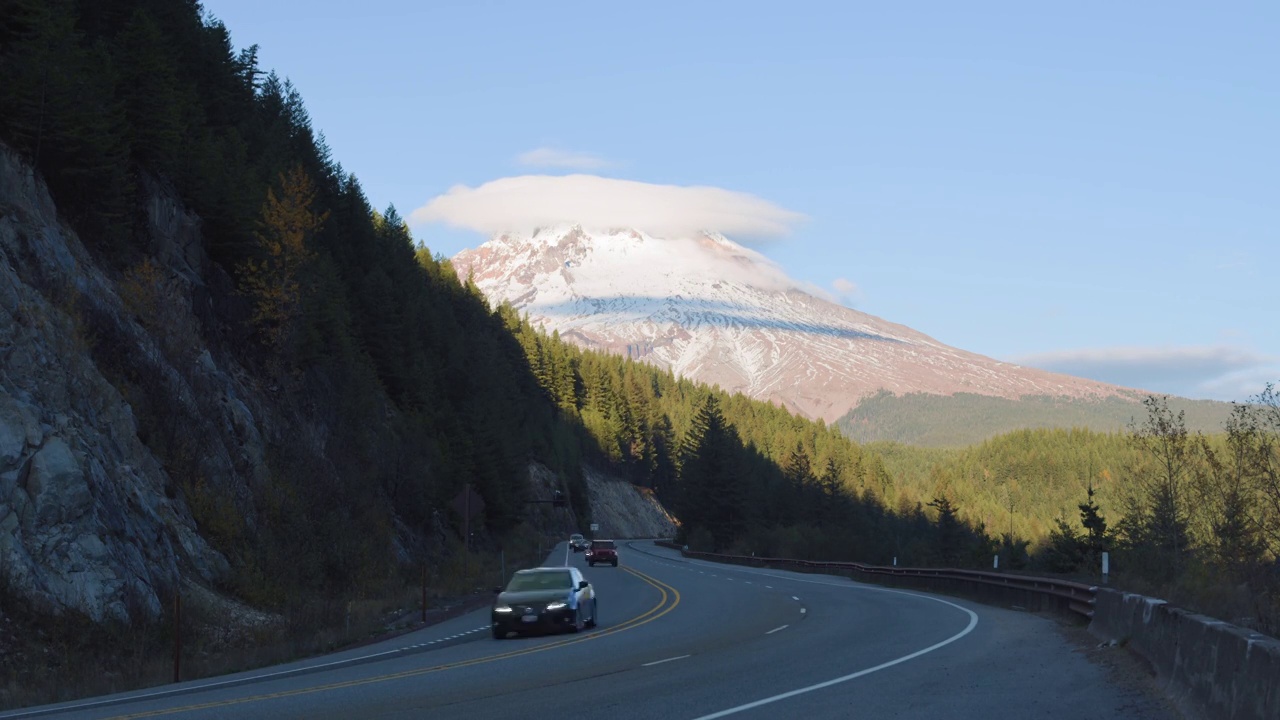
(532,596)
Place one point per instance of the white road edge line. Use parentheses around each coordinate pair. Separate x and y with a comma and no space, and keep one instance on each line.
(783,627)
(659,662)
(114,700)
(973,622)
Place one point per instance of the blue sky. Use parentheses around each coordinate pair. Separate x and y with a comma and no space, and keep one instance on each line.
(1092,188)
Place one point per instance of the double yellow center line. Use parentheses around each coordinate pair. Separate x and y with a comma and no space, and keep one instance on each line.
(669,600)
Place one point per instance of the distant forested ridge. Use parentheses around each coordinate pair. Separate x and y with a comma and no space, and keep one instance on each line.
(965,418)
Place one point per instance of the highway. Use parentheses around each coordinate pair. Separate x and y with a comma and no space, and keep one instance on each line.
(682,639)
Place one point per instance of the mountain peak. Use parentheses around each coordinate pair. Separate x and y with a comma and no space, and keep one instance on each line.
(716,311)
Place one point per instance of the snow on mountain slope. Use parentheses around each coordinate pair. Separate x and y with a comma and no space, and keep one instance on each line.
(714,311)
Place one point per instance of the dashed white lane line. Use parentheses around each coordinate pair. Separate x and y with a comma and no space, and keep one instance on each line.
(783,627)
(443,639)
(804,610)
(793,597)
(973,622)
(769,586)
(659,662)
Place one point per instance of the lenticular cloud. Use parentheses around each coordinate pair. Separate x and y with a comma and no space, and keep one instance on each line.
(530,201)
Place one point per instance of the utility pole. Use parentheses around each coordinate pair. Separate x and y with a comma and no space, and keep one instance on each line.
(177,636)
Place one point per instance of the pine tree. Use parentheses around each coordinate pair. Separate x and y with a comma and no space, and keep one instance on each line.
(153,101)
(712,495)
(58,107)
(831,479)
(1096,539)
(1065,551)
(1230,487)
(948,543)
(1159,516)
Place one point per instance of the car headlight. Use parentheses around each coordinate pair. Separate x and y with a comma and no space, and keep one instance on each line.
(557,605)
(502,608)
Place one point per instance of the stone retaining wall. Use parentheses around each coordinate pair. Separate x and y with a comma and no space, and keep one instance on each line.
(1213,668)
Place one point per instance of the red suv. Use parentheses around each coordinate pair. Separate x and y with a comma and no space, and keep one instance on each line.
(602,551)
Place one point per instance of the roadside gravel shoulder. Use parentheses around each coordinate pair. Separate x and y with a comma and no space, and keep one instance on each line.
(1127,671)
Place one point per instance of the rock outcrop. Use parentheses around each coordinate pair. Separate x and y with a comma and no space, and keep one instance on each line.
(90,521)
(620,508)
(624,510)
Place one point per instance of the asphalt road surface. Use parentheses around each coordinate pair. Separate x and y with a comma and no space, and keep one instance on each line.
(683,639)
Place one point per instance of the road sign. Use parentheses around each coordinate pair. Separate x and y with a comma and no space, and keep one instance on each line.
(595,527)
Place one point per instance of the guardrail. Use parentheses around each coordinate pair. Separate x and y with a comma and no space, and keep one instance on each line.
(1033,592)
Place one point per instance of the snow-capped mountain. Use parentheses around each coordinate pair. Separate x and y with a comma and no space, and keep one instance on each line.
(715,311)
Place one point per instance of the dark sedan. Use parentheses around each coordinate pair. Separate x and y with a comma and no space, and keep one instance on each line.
(551,598)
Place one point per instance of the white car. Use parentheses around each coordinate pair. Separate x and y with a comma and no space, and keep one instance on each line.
(577,543)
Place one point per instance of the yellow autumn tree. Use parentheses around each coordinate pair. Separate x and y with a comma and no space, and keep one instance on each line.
(272,280)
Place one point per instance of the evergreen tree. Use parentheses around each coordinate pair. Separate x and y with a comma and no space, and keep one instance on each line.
(1065,551)
(712,497)
(1096,538)
(153,99)
(58,107)
(1159,515)
(1230,486)
(948,537)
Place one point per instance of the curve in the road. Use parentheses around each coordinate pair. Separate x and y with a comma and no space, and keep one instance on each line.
(973,623)
(709,641)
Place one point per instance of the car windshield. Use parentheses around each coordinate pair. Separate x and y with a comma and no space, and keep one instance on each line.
(575,537)
(546,580)
(605,544)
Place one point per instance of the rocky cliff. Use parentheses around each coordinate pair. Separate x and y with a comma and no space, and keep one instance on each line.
(623,510)
(89,518)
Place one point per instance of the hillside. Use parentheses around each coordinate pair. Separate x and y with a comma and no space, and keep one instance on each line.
(220,364)
(965,418)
